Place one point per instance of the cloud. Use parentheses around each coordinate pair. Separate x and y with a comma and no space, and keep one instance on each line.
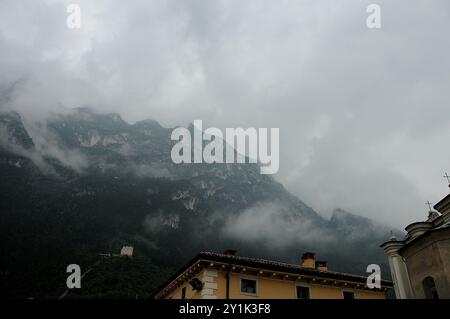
(363,114)
(161,222)
(40,148)
(274,225)
(47,146)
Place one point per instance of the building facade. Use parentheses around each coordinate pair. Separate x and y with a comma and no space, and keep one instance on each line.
(228,276)
(127,251)
(420,263)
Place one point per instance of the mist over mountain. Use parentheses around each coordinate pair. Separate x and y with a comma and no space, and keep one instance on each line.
(84,183)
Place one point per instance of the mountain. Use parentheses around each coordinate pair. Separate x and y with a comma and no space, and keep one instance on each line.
(13,133)
(83,183)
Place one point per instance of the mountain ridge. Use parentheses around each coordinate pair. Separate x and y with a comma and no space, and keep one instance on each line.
(125,189)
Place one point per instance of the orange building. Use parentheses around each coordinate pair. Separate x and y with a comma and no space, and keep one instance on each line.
(228,276)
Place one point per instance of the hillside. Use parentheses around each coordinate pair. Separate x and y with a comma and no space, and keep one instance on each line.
(84,183)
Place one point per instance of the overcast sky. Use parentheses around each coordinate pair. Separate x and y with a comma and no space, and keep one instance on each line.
(363,114)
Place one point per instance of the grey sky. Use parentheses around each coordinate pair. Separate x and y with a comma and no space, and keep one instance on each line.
(363,114)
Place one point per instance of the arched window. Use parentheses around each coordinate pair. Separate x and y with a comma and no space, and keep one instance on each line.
(430,288)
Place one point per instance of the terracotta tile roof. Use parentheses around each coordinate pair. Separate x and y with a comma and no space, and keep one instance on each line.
(267,265)
(284,267)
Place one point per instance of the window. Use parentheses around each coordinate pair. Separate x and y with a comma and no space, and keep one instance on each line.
(302,292)
(429,288)
(183,293)
(248,286)
(348,295)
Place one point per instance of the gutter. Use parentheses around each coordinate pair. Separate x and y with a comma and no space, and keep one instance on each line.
(228,281)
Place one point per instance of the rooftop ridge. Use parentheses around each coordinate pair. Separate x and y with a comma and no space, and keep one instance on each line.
(279,263)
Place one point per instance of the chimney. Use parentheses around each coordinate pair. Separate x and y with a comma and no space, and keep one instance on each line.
(322,265)
(308,260)
(230,252)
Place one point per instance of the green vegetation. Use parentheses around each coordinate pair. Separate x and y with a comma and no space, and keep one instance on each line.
(130,193)
(121,278)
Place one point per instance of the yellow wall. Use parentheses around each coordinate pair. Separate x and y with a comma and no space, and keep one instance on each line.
(365,294)
(267,288)
(190,294)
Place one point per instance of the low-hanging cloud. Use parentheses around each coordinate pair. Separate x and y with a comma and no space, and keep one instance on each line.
(47,145)
(161,221)
(275,226)
(363,114)
(44,146)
